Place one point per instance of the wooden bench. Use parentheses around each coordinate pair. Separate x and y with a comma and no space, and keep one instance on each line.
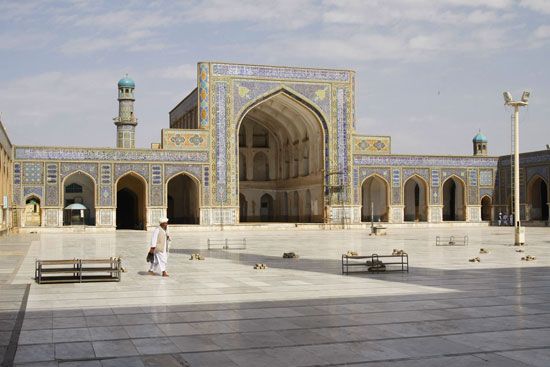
(227,244)
(370,263)
(78,270)
(451,241)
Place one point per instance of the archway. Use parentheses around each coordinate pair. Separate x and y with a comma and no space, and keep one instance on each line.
(486,208)
(266,208)
(374,199)
(33,212)
(79,188)
(453,200)
(282,139)
(538,198)
(243,208)
(131,202)
(183,200)
(416,198)
(307,206)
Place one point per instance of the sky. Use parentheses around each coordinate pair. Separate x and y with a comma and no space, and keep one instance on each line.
(429,73)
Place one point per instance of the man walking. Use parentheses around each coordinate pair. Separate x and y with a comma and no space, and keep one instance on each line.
(159,247)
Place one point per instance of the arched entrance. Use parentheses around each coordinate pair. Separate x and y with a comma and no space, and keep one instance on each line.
(183,200)
(416,199)
(131,202)
(282,139)
(33,213)
(453,200)
(243,208)
(79,188)
(486,208)
(266,208)
(538,198)
(374,199)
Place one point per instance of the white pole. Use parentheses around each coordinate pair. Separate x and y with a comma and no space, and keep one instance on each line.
(519,235)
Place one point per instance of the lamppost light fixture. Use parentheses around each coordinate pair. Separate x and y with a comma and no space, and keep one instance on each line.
(525,96)
(507,97)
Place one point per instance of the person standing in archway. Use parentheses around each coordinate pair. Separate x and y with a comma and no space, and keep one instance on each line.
(160,241)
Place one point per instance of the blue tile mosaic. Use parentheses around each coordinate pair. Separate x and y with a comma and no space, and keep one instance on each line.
(420,161)
(279,72)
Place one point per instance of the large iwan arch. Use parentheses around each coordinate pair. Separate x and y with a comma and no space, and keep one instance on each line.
(282,138)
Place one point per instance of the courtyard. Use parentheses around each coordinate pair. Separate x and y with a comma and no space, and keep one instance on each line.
(297,312)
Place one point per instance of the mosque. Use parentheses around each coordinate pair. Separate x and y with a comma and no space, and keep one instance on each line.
(255,143)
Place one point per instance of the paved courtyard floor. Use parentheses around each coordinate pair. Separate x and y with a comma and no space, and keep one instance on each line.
(298,312)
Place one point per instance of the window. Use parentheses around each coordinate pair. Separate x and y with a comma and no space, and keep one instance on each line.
(73,188)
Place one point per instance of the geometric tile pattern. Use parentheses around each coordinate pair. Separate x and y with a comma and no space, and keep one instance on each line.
(485,177)
(203,95)
(32,173)
(472,177)
(184,139)
(371,144)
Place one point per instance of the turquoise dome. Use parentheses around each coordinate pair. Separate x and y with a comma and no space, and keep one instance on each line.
(126,82)
(480,138)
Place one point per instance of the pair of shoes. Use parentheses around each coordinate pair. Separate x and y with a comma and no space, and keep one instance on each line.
(150,272)
(475,260)
(483,251)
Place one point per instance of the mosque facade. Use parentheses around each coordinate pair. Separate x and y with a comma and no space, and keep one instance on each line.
(254,143)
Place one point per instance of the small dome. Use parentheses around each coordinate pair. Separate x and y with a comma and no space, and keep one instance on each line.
(480,138)
(126,82)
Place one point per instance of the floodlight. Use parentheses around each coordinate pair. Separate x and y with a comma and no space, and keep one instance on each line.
(525,96)
(507,97)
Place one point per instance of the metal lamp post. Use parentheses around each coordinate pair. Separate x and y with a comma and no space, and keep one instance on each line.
(519,232)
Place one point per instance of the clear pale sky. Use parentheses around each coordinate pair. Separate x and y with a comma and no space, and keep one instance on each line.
(430,73)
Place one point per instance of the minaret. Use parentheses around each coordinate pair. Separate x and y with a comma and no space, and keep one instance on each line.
(126,121)
(480,144)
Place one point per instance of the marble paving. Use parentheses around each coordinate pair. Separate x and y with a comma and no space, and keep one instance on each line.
(297,312)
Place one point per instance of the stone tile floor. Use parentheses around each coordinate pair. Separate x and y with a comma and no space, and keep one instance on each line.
(298,312)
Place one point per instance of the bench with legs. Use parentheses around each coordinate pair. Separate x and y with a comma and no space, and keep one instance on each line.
(78,270)
(227,244)
(375,263)
(451,241)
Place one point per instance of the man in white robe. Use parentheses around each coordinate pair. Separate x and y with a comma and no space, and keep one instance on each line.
(160,241)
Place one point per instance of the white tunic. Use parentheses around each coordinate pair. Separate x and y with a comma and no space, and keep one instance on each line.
(160,241)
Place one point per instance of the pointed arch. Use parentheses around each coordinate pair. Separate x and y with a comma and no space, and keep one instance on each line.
(486,208)
(131,199)
(183,198)
(375,198)
(454,199)
(84,191)
(415,198)
(290,131)
(537,197)
(33,210)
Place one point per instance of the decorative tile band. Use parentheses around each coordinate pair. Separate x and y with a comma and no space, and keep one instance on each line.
(342,136)
(419,161)
(435,177)
(396,177)
(472,177)
(16,173)
(221,141)
(279,72)
(203,94)
(83,154)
